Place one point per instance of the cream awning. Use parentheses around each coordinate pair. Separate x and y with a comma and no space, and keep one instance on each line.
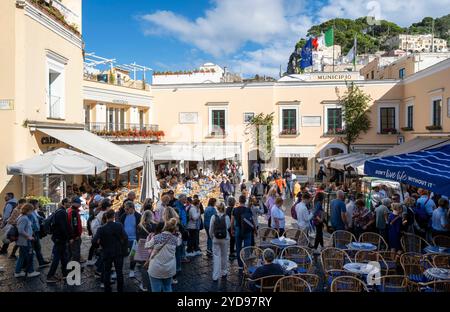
(188,151)
(94,145)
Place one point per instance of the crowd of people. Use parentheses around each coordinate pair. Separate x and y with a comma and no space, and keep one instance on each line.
(162,236)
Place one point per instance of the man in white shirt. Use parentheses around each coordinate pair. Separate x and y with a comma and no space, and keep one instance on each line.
(304,216)
(350,207)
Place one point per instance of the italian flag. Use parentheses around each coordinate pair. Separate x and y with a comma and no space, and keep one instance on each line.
(324,40)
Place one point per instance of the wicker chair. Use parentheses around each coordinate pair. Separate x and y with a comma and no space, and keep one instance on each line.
(333,260)
(299,255)
(340,239)
(441,261)
(413,243)
(266,283)
(348,284)
(441,241)
(276,249)
(312,279)
(364,256)
(374,238)
(266,234)
(392,259)
(414,266)
(292,284)
(299,236)
(435,286)
(251,257)
(392,283)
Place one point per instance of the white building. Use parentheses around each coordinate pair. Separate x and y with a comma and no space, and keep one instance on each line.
(207,73)
(417,43)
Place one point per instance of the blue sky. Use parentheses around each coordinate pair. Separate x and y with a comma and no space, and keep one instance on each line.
(248,36)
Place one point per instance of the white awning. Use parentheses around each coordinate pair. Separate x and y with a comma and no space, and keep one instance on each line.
(60,161)
(341,164)
(306,151)
(328,160)
(189,152)
(94,145)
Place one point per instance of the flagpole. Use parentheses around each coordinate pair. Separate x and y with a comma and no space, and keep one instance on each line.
(355,52)
(333,44)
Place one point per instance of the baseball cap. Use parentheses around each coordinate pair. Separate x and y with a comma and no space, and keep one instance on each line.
(76,200)
(98,198)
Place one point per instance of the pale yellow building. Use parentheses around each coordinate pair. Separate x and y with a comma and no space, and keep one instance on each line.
(417,43)
(394,67)
(40,78)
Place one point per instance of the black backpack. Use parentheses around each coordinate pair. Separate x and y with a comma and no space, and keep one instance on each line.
(48,225)
(220,227)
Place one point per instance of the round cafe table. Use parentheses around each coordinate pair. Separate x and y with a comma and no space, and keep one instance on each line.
(283,242)
(437,250)
(361,268)
(437,274)
(361,246)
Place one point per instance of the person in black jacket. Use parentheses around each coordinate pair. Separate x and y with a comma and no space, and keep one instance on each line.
(60,238)
(231,202)
(112,237)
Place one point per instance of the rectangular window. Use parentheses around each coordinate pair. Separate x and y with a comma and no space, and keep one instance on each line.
(410,116)
(437,112)
(141,119)
(334,116)
(387,119)
(372,75)
(401,73)
(218,121)
(289,121)
(55,85)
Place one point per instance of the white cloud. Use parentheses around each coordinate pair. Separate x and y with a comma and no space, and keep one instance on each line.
(274,25)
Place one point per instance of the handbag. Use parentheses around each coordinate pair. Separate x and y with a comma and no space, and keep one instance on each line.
(13,234)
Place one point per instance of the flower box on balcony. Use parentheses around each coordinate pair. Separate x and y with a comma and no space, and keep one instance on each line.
(407,129)
(289,132)
(335,132)
(388,131)
(433,127)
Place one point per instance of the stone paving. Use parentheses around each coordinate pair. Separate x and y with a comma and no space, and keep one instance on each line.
(195,276)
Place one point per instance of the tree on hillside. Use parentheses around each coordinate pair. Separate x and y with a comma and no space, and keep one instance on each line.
(355,114)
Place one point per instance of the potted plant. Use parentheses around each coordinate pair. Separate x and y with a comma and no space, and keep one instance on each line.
(434,127)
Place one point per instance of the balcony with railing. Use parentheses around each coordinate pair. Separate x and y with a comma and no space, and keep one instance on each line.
(125,131)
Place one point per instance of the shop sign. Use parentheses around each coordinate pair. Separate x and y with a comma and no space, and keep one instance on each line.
(49,140)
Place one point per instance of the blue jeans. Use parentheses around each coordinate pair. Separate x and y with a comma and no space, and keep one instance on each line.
(209,241)
(132,262)
(25,256)
(246,239)
(161,284)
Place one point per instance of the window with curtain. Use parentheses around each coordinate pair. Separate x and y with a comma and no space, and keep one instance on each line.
(289,121)
(334,117)
(218,121)
(387,119)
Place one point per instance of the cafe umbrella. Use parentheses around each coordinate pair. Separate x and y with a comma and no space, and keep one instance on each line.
(149,185)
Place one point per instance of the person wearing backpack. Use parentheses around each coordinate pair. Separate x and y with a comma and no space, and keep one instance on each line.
(218,230)
(242,227)
(12,223)
(56,225)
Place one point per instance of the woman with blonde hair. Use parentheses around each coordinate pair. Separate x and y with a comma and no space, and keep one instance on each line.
(162,264)
(270,202)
